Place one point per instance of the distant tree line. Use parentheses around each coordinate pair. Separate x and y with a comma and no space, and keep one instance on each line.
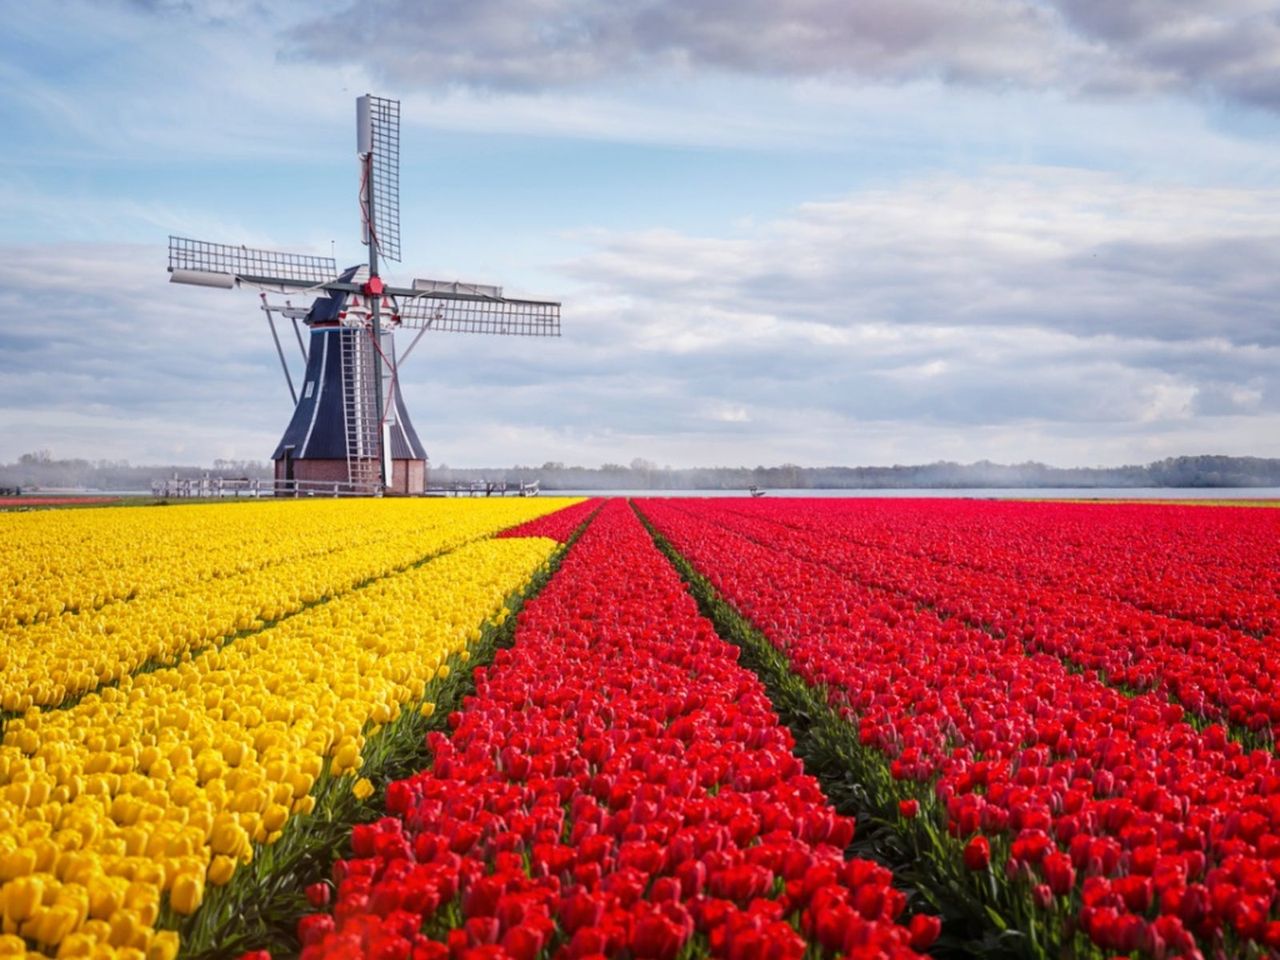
(41,469)
(1200,471)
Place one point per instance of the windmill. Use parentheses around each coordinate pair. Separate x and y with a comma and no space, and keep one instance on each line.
(350,427)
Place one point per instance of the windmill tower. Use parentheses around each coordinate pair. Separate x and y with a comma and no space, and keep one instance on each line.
(350,428)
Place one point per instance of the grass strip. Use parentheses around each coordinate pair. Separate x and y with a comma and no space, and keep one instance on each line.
(983,915)
(260,907)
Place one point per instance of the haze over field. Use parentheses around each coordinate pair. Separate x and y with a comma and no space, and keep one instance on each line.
(802,231)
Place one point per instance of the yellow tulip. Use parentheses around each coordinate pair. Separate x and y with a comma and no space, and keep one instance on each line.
(221,870)
(17,793)
(187,892)
(74,946)
(55,923)
(228,837)
(347,757)
(22,896)
(127,930)
(163,946)
(275,816)
(17,863)
(106,894)
(144,899)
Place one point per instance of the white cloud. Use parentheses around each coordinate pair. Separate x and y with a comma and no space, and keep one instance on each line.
(1228,49)
(1061,249)
(946,318)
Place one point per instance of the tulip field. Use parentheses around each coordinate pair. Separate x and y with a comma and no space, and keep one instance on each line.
(178,685)
(1068,709)
(661,729)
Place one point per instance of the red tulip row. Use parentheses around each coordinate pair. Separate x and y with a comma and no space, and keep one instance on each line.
(560,525)
(1212,566)
(1220,674)
(1108,813)
(617,786)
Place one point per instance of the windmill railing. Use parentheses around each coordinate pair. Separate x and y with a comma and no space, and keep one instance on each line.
(485,488)
(251,488)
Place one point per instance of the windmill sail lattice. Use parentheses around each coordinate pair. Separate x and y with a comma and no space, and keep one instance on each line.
(249,264)
(349,423)
(521,318)
(384,142)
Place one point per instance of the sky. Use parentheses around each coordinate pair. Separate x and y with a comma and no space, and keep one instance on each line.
(823,232)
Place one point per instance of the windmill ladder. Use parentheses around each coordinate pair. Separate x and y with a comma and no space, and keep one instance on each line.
(360,408)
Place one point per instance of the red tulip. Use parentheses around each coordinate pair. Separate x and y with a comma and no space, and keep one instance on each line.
(656,937)
(313,927)
(523,943)
(1059,873)
(925,929)
(318,895)
(977,853)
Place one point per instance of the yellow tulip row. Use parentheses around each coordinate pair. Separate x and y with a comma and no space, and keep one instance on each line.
(69,562)
(60,563)
(45,663)
(164,784)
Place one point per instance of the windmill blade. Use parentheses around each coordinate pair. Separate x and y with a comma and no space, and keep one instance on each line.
(378,136)
(478,314)
(221,265)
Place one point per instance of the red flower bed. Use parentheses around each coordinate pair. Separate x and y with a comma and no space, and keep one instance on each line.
(1213,566)
(1220,673)
(1104,808)
(618,785)
(559,525)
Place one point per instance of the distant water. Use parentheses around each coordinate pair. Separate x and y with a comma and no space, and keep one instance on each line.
(975,493)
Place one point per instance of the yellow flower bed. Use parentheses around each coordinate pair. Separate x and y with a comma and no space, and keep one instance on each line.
(77,561)
(165,783)
(244,565)
(54,562)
